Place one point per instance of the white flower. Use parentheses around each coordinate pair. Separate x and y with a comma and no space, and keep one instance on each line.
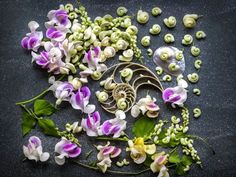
(145,106)
(34,150)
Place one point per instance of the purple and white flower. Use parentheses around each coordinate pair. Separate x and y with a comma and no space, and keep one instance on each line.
(92,58)
(145,106)
(62,91)
(34,150)
(105,153)
(59,18)
(91,124)
(56,34)
(32,41)
(114,126)
(66,149)
(80,100)
(176,95)
(51,59)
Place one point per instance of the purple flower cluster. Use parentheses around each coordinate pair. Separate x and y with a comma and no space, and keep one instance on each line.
(52,53)
(113,127)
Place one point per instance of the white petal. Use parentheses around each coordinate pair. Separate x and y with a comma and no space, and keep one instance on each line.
(182,83)
(89,109)
(48,45)
(135,111)
(33,25)
(60,160)
(120,114)
(26,151)
(44,157)
(141,159)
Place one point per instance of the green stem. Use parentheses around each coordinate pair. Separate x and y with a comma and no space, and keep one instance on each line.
(204,141)
(113,139)
(39,95)
(112,171)
(34,98)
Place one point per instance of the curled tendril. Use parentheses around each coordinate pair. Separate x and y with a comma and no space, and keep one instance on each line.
(187,40)
(156,29)
(169,38)
(197,112)
(69,7)
(173,67)
(179,55)
(142,17)
(156,11)
(127,73)
(193,78)
(190,20)
(132,30)
(195,51)
(200,34)
(170,22)
(197,91)
(197,64)
(121,11)
(149,52)
(167,78)
(145,41)
(159,70)
(102,96)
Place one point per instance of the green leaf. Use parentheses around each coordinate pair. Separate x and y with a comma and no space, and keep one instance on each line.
(48,127)
(143,127)
(43,108)
(187,160)
(28,123)
(179,170)
(174,157)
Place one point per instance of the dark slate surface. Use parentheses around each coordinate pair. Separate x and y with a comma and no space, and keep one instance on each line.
(20,80)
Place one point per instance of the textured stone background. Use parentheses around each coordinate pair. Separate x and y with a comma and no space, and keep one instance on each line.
(21,80)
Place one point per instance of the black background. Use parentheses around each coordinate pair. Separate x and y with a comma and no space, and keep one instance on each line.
(21,80)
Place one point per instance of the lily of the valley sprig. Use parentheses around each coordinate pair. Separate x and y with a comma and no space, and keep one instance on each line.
(74,51)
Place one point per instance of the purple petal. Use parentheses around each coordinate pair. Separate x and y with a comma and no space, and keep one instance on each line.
(53,33)
(69,147)
(96,116)
(75,153)
(35,140)
(31,42)
(106,126)
(86,92)
(115,129)
(88,123)
(24,42)
(115,152)
(61,16)
(108,150)
(97,51)
(167,93)
(174,99)
(78,98)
